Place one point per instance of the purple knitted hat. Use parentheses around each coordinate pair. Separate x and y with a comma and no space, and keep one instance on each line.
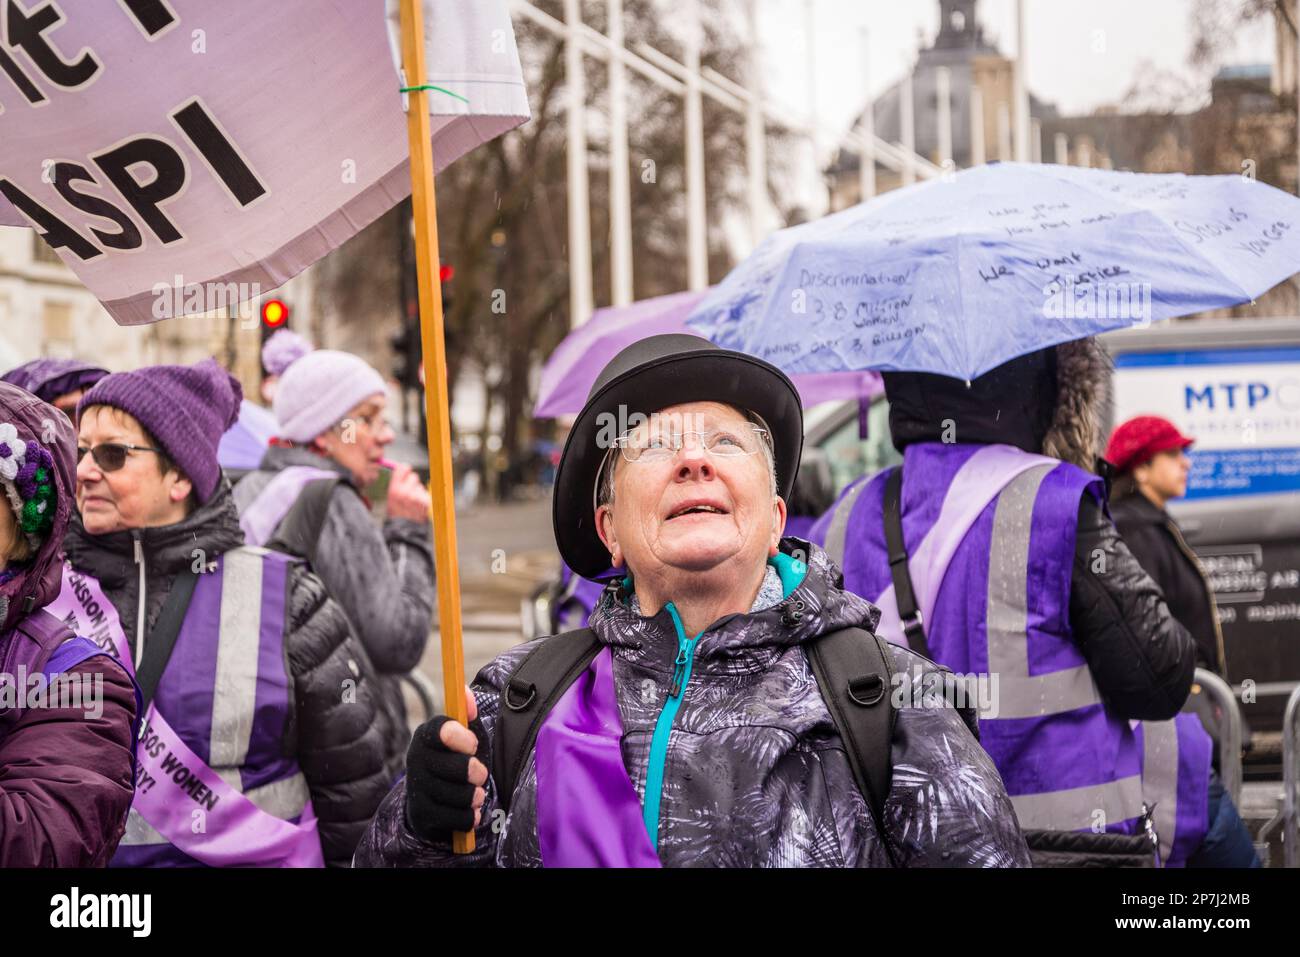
(185,408)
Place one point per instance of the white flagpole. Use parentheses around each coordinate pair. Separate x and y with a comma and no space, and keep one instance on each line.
(697,249)
(867,166)
(977,151)
(580,292)
(1021,91)
(620,189)
(943,90)
(755,133)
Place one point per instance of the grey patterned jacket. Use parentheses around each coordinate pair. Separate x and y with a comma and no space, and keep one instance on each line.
(756,774)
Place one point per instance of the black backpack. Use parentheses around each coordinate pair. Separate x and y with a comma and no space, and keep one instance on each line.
(852,670)
(299,531)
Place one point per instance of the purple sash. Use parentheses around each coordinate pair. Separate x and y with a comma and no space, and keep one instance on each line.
(235,832)
(260,519)
(588,812)
(979,481)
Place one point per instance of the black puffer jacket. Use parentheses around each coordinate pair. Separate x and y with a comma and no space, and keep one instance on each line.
(1140,656)
(1049,403)
(339,746)
(382,578)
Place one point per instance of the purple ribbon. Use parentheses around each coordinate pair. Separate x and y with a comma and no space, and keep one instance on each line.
(588,812)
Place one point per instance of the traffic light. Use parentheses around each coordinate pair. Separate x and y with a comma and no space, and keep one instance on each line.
(275,316)
(446,272)
(406,365)
(408,362)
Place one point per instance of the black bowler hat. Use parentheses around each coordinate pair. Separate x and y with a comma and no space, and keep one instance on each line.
(653,374)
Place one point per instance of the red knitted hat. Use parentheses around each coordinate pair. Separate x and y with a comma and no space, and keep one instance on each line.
(1140,438)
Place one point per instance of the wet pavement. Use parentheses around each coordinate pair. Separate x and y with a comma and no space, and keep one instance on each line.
(505,552)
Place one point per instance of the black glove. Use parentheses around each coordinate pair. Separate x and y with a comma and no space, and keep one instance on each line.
(439,795)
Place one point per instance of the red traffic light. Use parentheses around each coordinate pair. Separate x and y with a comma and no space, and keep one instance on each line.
(445,272)
(274,313)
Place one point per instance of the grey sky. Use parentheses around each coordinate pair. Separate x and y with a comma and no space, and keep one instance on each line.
(1063,67)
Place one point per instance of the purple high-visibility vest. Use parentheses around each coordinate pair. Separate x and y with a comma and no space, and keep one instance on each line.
(990,534)
(231,641)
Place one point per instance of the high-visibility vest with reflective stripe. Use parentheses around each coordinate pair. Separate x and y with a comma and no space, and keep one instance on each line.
(1176,762)
(227,692)
(1002,610)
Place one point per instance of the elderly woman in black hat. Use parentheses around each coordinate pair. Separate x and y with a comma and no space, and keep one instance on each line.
(728,705)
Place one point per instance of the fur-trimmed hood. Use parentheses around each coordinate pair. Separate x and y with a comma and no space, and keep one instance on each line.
(1051,402)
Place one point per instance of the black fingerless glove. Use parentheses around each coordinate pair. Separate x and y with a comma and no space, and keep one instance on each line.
(439,795)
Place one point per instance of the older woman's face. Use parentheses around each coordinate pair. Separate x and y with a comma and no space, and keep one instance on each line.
(358,442)
(693,510)
(139,494)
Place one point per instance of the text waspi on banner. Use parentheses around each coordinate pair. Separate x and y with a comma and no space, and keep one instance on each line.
(183,155)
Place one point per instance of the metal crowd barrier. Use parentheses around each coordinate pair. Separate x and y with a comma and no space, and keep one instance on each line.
(1229,737)
(425,690)
(1291,781)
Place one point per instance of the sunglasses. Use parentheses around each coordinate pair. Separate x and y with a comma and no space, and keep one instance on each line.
(111,456)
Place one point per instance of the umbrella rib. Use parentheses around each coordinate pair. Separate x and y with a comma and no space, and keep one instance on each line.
(1173,233)
(1245,297)
(961,301)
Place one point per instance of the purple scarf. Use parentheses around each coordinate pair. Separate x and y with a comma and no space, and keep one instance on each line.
(588,812)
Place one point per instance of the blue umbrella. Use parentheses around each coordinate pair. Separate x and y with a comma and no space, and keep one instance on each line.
(960,274)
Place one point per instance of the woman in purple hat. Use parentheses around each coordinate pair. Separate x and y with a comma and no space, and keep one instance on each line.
(262,743)
(68,710)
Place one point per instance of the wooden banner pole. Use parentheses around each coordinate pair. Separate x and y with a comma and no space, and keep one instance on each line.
(433,345)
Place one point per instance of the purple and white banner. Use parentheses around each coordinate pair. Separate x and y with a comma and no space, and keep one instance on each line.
(184,156)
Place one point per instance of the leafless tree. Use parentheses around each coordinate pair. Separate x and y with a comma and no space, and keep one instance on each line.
(503,218)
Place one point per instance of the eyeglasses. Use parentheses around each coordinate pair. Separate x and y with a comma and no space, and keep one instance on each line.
(375,422)
(111,456)
(648,446)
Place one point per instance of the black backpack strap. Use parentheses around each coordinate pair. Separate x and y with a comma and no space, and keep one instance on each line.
(908,613)
(299,531)
(528,697)
(853,672)
(162,639)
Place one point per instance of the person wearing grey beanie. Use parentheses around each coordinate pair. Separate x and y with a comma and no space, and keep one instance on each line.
(306,500)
